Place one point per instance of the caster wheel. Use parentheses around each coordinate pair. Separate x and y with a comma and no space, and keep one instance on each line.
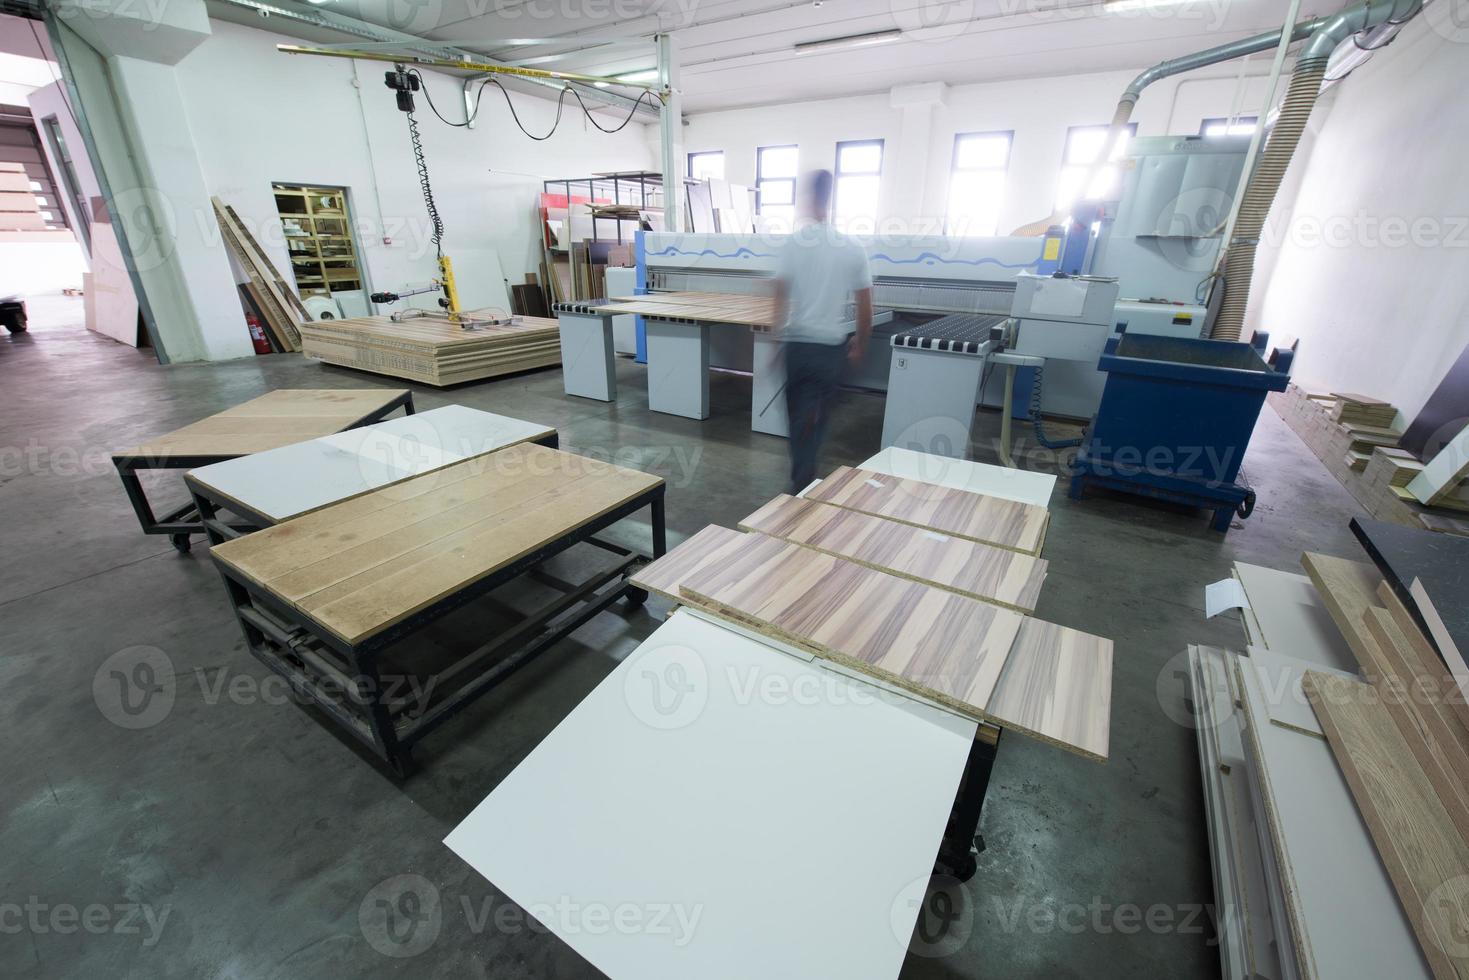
(636,597)
(960,866)
(181,543)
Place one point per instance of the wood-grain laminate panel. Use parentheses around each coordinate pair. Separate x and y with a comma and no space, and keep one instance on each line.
(958,564)
(1425,855)
(358,567)
(991,520)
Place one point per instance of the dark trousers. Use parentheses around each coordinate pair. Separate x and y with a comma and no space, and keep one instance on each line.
(813,373)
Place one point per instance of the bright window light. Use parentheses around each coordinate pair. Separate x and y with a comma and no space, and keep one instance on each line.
(1083,147)
(708,165)
(977,183)
(858,184)
(775,184)
(1240,126)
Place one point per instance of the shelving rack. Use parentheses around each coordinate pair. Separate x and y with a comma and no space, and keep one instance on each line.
(318,233)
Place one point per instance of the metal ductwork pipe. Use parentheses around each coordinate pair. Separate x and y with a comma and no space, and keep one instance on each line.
(1295,111)
(1177,66)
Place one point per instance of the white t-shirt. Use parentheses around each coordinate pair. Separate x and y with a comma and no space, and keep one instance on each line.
(821,269)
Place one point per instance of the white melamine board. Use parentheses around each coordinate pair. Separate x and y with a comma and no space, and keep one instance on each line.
(1274,888)
(1444,471)
(729,807)
(292,480)
(1249,947)
(1442,638)
(1346,920)
(1278,677)
(1253,636)
(963,474)
(1292,618)
(452,431)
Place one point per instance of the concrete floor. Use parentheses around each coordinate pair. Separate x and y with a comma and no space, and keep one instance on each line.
(236,837)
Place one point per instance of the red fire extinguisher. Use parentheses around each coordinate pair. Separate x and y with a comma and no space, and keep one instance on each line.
(257,335)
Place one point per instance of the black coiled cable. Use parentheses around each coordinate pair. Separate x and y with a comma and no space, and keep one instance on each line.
(1037,425)
(428,191)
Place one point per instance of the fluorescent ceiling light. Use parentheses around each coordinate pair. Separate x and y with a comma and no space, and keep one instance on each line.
(851,41)
(646,75)
(1115,6)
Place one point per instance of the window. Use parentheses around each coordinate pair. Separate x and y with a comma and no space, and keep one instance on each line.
(1083,146)
(775,185)
(708,165)
(858,179)
(977,183)
(1241,126)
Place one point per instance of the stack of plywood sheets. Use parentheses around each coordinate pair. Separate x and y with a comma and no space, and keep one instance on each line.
(1364,784)
(279,307)
(934,608)
(750,311)
(1302,871)
(432,350)
(1352,409)
(1329,896)
(1309,416)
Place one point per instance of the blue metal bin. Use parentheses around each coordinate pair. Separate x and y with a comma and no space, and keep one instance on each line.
(1175,421)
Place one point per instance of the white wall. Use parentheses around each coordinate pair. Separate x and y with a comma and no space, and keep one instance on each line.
(39,262)
(1038,111)
(259,116)
(1366,252)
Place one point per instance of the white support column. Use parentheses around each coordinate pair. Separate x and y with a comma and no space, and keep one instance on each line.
(909,160)
(671,132)
(120,59)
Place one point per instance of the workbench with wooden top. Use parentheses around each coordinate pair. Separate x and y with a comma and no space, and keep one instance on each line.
(679,327)
(326,599)
(275,419)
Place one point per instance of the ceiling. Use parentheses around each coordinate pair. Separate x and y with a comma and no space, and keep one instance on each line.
(741,52)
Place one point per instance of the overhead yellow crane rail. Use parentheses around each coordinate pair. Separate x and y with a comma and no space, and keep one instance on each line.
(475,66)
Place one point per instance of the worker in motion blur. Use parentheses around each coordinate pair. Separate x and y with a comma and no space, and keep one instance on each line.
(820,275)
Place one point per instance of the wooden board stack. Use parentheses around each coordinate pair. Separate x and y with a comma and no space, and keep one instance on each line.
(756,312)
(1347,455)
(1361,786)
(875,586)
(433,351)
(281,311)
(1352,409)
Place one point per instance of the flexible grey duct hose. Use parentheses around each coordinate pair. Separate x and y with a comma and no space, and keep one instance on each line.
(1295,111)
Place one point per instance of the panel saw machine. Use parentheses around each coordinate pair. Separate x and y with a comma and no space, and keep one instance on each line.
(965,306)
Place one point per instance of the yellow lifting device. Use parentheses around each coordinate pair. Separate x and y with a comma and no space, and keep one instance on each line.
(404,82)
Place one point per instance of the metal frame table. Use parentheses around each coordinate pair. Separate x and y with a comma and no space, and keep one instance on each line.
(200,447)
(343,676)
(679,357)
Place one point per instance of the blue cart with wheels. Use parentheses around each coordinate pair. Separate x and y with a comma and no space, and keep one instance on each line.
(1175,419)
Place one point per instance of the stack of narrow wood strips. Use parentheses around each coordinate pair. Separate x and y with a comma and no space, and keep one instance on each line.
(922,586)
(280,310)
(1402,742)
(433,350)
(1351,409)
(737,308)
